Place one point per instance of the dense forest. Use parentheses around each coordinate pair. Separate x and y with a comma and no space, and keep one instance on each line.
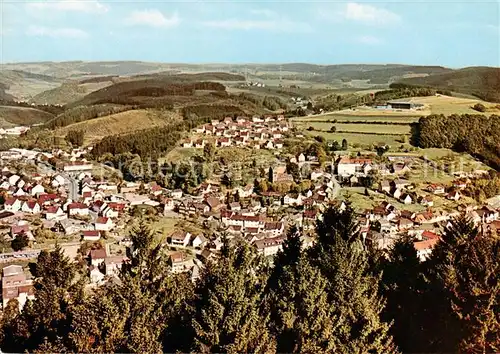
(400,91)
(482,82)
(130,92)
(476,134)
(338,296)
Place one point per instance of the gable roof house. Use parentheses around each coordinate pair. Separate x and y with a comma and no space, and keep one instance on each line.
(180,238)
(54,213)
(198,241)
(79,209)
(31,207)
(91,235)
(104,224)
(347,166)
(97,256)
(13,204)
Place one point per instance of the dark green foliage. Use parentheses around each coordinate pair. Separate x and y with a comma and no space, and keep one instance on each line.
(20,242)
(144,91)
(147,142)
(49,316)
(479,107)
(483,188)
(228,306)
(402,92)
(402,285)
(464,270)
(483,82)
(336,297)
(476,134)
(215,111)
(345,146)
(75,137)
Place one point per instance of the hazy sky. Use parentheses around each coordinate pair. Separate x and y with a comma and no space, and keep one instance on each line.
(449,33)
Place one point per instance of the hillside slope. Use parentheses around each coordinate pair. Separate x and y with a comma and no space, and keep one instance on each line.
(11,116)
(120,123)
(482,82)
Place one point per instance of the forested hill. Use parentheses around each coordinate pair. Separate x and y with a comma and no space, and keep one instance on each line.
(482,82)
(137,91)
(476,134)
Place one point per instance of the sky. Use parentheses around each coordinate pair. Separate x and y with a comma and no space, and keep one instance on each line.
(448,33)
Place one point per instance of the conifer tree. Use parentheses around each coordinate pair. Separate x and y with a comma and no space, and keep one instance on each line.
(228,314)
(353,291)
(463,274)
(302,318)
(47,318)
(402,285)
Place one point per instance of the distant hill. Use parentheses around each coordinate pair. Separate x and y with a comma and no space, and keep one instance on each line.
(69,92)
(206,76)
(22,85)
(482,82)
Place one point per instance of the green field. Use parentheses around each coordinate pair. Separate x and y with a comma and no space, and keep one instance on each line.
(361,128)
(360,118)
(360,139)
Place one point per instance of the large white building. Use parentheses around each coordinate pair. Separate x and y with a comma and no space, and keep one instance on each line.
(348,167)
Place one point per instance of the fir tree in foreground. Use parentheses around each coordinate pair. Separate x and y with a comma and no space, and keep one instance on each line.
(228,314)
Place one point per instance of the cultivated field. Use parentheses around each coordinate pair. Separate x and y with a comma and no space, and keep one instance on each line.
(362,140)
(448,105)
(352,118)
(390,129)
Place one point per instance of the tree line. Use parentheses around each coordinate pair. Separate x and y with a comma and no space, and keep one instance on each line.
(475,134)
(338,296)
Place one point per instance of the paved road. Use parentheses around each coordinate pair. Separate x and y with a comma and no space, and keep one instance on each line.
(71,181)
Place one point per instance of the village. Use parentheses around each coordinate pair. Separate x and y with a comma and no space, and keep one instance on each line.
(61,197)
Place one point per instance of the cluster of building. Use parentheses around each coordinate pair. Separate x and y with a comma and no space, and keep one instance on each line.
(14,131)
(384,224)
(257,133)
(65,197)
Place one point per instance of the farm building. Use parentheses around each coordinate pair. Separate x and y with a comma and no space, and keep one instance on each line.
(403,105)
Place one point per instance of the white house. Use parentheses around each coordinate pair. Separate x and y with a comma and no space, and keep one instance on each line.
(91,235)
(180,238)
(54,213)
(97,256)
(13,179)
(13,204)
(269,246)
(104,224)
(31,206)
(199,241)
(348,167)
(38,189)
(78,209)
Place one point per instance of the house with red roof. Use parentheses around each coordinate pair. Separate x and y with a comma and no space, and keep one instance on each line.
(104,224)
(31,207)
(78,209)
(54,212)
(13,204)
(424,248)
(91,235)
